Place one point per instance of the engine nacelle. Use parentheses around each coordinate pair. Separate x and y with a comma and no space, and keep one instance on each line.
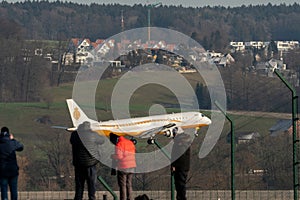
(171,132)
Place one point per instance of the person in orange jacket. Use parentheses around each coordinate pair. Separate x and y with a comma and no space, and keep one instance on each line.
(125,161)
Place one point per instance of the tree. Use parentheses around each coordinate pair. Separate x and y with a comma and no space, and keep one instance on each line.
(272,49)
(277,162)
(61,51)
(202,94)
(55,169)
(10,59)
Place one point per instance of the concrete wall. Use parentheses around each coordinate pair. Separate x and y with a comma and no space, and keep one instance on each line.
(166,195)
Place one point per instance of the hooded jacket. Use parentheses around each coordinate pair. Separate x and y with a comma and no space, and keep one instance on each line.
(181,152)
(125,153)
(8,159)
(81,155)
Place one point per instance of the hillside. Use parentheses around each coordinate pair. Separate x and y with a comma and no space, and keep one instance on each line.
(213,27)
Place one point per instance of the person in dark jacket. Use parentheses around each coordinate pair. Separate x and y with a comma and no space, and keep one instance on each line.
(86,156)
(180,155)
(9,169)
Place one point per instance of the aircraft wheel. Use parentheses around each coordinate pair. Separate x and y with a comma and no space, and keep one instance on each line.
(151,141)
(134,141)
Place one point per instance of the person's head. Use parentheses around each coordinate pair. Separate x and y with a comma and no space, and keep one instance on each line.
(74,132)
(4,132)
(183,139)
(142,197)
(113,138)
(85,126)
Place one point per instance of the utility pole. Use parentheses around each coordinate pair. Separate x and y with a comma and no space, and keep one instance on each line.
(122,33)
(122,21)
(149,16)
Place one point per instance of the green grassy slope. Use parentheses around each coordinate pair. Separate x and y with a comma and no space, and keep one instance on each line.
(21,117)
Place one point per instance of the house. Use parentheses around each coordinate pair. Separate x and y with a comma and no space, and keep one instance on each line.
(243,137)
(238,46)
(255,45)
(184,70)
(219,59)
(104,48)
(213,54)
(227,59)
(276,64)
(283,126)
(261,68)
(286,45)
(84,45)
(84,57)
(268,68)
(80,49)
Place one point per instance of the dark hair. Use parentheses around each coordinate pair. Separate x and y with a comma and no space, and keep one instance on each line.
(4,132)
(113,138)
(142,197)
(85,126)
(183,138)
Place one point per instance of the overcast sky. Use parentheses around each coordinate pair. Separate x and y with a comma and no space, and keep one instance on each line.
(187,3)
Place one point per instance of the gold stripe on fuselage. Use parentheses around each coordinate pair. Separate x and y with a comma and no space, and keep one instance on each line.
(136,123)
(106,132)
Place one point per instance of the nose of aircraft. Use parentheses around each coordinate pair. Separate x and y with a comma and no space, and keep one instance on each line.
(205,119)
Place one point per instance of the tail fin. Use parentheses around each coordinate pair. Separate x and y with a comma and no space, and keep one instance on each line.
(77,115)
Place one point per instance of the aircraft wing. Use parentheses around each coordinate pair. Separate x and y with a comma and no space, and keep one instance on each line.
(152,132)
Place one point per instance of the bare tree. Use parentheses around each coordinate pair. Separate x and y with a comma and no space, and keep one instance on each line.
(62,50)
(57,165)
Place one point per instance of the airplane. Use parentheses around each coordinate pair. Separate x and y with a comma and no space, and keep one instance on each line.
(140,127)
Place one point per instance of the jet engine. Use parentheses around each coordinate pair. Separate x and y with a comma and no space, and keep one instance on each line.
(170,131)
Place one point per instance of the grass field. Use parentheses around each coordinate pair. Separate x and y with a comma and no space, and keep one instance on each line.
(22,118)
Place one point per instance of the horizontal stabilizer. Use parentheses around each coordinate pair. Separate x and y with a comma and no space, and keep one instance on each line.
(60,127)
(65,128)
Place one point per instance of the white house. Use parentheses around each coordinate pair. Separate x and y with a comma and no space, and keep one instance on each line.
(238,46)
(243,137)
(286,45)
(255,44)
(276,64)
(82,49)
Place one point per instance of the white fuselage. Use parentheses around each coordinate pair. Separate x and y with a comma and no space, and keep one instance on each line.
(134,126)
(137,126)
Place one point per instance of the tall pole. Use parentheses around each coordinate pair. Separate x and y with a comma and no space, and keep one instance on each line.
(149,16)
(107,187)
(232,139)
(153,141)
(149,23)
(295,137)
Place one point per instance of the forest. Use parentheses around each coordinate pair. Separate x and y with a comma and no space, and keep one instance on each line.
(213,27)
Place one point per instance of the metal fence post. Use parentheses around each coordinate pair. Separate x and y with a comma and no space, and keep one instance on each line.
(172,174)
(295,137)
(107,187)
(232,139)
